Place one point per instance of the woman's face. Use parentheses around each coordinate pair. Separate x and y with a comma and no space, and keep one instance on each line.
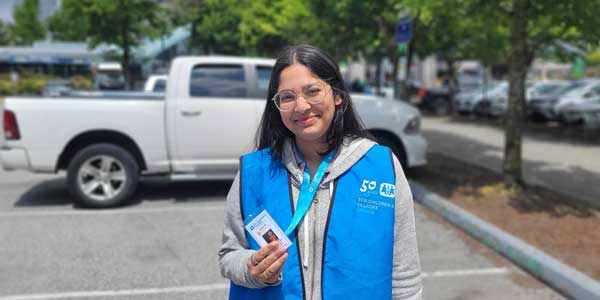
(308,122)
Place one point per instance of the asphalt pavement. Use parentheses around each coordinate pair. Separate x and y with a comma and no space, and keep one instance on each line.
(164,246)
(568,167)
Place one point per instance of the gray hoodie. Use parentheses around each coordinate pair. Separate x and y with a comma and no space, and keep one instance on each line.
(406,276)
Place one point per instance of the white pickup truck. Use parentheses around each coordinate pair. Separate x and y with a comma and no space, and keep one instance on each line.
(207,118)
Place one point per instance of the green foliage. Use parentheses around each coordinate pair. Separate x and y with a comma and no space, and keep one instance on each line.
(593,58)
(79,82)
(121,22)
(4,37)
(218,26)
(7,87)
(26,29)
(267,26)
(457,30)
(31,86)
(70,23)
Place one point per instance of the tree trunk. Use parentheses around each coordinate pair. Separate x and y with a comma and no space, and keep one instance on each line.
(125,65)
(517,72)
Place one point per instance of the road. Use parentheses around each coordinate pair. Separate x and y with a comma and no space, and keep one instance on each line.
(164,246)
(567,167)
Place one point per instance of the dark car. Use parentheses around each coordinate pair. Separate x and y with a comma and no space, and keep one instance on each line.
(437,100)
(541,107)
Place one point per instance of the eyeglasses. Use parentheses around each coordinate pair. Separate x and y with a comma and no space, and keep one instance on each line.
(314,94)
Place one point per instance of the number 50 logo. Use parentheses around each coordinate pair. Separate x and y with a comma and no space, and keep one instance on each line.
(368,185)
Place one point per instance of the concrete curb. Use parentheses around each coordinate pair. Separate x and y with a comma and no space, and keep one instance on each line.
(563,278)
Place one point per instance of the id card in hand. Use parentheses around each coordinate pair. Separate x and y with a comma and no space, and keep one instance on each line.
(264,230)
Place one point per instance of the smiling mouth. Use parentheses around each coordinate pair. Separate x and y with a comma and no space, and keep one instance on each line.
(305,120)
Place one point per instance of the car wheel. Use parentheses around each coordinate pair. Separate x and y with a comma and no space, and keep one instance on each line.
(396,148)
(102,175)
(441,106)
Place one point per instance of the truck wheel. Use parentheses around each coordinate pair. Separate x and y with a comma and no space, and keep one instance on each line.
(441,106)
(102,175)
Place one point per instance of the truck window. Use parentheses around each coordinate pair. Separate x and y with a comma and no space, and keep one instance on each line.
(263,76)
(218,81)
(160,86)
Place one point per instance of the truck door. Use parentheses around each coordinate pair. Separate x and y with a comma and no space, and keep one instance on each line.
(217,122)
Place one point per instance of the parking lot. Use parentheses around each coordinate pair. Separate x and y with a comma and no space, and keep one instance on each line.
(164,246)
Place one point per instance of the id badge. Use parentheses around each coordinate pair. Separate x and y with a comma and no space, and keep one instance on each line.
(264,230)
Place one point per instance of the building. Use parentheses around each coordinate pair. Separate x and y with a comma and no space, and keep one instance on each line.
(60,59)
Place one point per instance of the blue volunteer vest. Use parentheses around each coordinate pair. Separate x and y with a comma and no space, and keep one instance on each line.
(359,234)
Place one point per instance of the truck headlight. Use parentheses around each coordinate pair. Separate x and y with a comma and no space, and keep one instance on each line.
(413,126)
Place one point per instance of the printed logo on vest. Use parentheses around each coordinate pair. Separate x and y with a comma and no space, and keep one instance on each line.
(387,190)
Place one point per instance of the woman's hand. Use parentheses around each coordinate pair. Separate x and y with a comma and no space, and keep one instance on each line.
(266,263)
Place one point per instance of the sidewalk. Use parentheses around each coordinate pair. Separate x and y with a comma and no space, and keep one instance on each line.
(562,277)
(568,168)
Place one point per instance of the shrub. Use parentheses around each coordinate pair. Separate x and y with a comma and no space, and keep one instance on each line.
(7,87)
(79,82)
(32,85)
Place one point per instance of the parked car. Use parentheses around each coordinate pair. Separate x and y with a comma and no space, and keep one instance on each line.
(466,101)
(588,92)
(541,107)
(109,76)
(545,87)
(56,87)
(437,99)
(497,94)
(498,105)
(196,130)
(156,83)
(587,114)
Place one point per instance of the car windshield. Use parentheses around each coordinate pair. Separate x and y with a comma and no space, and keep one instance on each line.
(547,88)
(111,75)
(575,89)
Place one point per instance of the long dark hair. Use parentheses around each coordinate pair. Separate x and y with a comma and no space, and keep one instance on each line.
(272,133)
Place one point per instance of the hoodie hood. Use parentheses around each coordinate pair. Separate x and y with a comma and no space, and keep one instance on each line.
(351,151)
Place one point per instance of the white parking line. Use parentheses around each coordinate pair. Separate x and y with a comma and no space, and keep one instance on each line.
(472,272)
(123,211)
(132,292)
(215,287)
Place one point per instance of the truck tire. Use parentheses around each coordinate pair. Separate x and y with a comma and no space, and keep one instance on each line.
(102,175)
(441,106)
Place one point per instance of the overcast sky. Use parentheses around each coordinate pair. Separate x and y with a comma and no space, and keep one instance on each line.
(6,8)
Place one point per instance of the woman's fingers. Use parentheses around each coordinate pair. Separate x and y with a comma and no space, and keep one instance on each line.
(269,260)
(266,263)
(259,255)
(271,274)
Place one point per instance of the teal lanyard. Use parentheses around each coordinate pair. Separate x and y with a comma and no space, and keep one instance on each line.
(308,190)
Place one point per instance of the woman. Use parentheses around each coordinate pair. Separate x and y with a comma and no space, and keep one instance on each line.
(342,199)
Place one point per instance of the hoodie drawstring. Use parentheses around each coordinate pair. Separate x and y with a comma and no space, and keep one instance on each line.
(307,236)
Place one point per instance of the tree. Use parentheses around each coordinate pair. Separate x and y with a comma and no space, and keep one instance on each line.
(4,40)
(26,28)
(70,23)
(218,26)
(184,13)
(455,31)
(533,25)
(267,26)
(120,22)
